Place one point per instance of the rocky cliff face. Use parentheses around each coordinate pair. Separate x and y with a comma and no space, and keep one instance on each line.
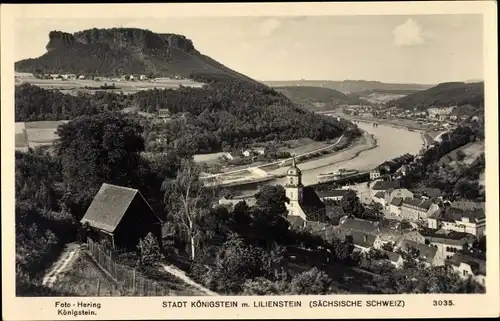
(130,38)
(133,38)
(59,39)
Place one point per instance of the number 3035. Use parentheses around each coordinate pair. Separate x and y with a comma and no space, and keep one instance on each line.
(444,303)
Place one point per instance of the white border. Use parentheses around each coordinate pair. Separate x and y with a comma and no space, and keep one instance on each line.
(151,308)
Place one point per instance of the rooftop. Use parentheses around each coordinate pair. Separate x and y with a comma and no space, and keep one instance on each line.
(109,206)
(422,204)
(478,265)
(359,225)
(425,251)
(385,185)
(332,193)
(397,201)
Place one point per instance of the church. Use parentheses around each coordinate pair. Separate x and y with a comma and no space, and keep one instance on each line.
(304,202)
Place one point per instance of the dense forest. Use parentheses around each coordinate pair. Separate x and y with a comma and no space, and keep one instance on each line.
(227,113)
(460,182)
(444,95)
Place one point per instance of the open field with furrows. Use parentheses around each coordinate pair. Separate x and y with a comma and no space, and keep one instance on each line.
(34,134)
(127,87)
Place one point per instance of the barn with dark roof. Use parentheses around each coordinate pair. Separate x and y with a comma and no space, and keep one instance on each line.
(121,215)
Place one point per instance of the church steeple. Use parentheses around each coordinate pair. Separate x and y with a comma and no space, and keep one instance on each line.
(294,175)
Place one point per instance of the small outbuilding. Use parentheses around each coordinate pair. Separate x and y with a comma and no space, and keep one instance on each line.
(122,216)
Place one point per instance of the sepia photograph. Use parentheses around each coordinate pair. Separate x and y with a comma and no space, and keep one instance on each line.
(259,155)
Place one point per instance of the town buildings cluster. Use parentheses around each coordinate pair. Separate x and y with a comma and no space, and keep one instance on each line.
(419,221)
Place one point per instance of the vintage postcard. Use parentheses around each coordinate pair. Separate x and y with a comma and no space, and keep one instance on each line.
(225,161)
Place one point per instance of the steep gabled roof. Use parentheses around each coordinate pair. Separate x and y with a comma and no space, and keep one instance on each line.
(379,195)
(109,206)
(362,239)
(393,257)
(396,201)
(310,203)
(295,221)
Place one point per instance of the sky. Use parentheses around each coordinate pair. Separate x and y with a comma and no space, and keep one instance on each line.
(425,49)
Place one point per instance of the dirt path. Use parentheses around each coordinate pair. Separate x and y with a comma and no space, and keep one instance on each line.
(64,260)
(182,275)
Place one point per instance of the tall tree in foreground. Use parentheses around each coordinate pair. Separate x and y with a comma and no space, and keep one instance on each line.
(186,202)
(98,149)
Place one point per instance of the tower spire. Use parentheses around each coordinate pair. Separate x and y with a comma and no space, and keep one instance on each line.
(294,164)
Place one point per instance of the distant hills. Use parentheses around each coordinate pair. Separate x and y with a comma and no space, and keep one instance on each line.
(443,95)
(121,51)
(349,86)
(318,98)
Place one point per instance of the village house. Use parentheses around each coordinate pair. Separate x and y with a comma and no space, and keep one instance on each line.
(395,206)
(395,259)
(433,221)
(414,209)
(363,242)
(121,215)
(334,195)
(374,174)
(81,77)
(232,201)
(304,201)
(143,77)
(163,113)
(414,236)
(467,221)
(379,198)
(426,254)
(254,152)
(382,186)
(470,266)
(391,193)
(449,244)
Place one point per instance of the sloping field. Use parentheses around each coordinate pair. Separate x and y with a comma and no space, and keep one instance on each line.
(201,158)
(84,278)
(122,85)
(471,152)
(38,133)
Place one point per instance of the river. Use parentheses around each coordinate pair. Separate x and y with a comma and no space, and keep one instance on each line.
(391,142)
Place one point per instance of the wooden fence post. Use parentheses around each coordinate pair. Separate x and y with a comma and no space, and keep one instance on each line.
(133,280)
(98,286)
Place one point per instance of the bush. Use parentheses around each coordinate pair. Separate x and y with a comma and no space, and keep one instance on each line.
(263,286)
(313,281)
(149,250)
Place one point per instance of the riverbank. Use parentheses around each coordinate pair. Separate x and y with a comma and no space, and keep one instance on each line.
(368,142)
